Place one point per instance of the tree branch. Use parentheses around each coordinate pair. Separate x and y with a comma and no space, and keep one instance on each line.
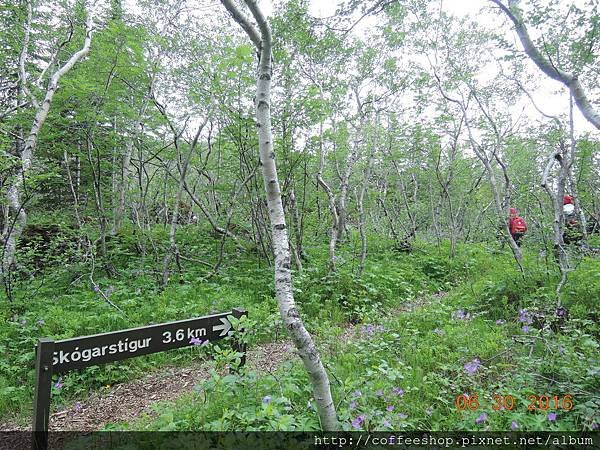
(568,79)
(243,21)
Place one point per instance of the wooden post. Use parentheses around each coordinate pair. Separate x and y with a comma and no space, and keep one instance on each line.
(41,399)
(238,344)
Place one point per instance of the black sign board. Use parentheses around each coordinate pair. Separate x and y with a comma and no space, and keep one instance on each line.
(77,353)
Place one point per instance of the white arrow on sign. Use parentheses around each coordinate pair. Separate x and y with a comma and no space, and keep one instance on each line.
(225,327)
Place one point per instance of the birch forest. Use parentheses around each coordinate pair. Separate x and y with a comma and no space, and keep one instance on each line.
(403,195)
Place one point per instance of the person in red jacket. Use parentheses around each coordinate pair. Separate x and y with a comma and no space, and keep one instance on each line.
(568,206)
(572,233)
(516,226)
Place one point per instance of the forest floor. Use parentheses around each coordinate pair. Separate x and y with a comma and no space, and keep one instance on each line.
(400,344)
(127,401)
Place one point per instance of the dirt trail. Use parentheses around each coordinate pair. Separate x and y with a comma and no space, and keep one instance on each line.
(126,401)
(351,330)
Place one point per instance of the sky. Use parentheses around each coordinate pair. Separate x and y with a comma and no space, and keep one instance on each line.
(551,96)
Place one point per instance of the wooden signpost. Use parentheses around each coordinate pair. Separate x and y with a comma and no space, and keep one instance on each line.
(57,357)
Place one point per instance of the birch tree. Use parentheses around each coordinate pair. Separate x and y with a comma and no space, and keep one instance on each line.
(480,115)
(283,277)
(552,67)
(26,151)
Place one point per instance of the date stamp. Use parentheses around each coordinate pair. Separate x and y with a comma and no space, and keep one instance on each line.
(508,403)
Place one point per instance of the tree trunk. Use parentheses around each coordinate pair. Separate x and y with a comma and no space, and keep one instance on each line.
(15,190)
(561,255)
(547,66)
(283,277)
(123,186)
(332,206)
(361,197)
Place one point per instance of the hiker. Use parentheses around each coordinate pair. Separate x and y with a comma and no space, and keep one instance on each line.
(568,207)
(516,226)
(571,234)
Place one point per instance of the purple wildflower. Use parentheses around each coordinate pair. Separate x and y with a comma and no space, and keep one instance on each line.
(371,329)
(266,399)
(525,316)
(78,407)
(552,417)
(353,404)
(398,391)
(500,322)
(482,418)
(561,349)
(23,322)
(390,408)
(356,423)
(58,384)
(379,393)
(387,424)
(594,426)
(196,341)
(525,329)
(459,314)
(357,393)
(402,416)
(40,322)
(514,425)
(561,313)
(471,367)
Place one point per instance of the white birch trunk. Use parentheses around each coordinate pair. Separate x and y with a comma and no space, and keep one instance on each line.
(557,201)
(500,211)
(15,190)
(361,197)
(345,185)
(283,276)
(123,187)
(331,199)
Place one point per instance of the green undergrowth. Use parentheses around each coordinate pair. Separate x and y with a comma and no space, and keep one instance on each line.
(405,372)
(60,300)
(416,359)
(492,344)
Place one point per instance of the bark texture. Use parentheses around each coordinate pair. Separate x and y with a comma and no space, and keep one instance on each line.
(15,190)
(283,276)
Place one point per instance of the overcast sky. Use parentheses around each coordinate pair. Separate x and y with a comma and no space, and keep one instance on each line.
(551,96)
